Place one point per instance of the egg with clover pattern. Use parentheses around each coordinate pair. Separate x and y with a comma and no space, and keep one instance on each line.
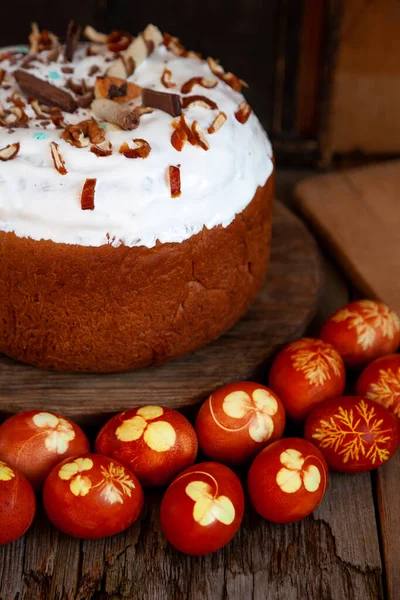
(34,441)
(92,496)
(154,442)
(202,509)
(287,480)
(238,421)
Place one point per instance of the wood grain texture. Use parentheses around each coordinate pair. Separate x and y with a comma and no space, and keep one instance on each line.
(357,215)
(281,312)
(387,484)
(320,557)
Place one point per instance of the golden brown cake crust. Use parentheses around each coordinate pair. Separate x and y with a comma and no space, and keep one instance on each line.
(106,309)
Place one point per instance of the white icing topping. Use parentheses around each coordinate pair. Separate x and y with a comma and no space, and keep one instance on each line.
(133,205)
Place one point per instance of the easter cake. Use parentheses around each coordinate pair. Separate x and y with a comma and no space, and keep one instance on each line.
(136,189)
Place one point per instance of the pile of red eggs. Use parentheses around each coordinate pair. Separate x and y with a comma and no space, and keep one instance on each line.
(92,495)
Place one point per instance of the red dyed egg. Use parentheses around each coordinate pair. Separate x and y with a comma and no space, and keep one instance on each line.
(305,373)
(155,443)
(238,421)
(92,496)
(287,480)
(362,331)
(35,441)
(354,434)
(17,504)
(380,381)
(202,509)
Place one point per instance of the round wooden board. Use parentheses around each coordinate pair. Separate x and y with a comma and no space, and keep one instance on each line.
(282,311)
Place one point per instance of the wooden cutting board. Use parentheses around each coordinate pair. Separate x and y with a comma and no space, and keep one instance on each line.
(357,215)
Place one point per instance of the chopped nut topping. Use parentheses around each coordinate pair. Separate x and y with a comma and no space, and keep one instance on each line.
(15,98)
(243,112)
(206,83)
(67,70)
(36,108)
(199,136)
(81,134)
(119,40)
(9,152)
(143,110)
(217,123)
(104,150)
(229,78)
(166,79)
(199,101)
(142,149)
(95,36)
(178,139)
(2,75)
(87,196)
(41,40)
(15,117)
(175,181)
(58,160)
(93,70)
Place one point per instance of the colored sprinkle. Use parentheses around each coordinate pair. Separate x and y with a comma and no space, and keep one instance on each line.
(22,49)
(40,136)
(103,125)
(54,75)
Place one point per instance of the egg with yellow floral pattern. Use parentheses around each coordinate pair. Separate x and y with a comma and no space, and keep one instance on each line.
(92,496)
(202,509)
(17,504)
(238,421)
(353,433)
(34,441)
(287,480)
(154,442)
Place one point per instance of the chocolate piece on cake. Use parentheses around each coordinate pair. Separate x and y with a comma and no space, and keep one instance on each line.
(72,40)
(165,101)
(45,92)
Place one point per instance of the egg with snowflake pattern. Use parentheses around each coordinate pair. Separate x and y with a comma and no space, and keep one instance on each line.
(305,373)
(380,382)
(362,331)
(354,434)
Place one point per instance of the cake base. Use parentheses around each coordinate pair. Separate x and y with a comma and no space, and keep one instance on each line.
(281,311)
(106,310)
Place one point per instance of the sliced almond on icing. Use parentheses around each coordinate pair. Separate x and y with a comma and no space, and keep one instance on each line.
(199,136)
(9,152)
(58,160)
(217,123)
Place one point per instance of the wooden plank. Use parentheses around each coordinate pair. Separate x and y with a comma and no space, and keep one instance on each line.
(364,112)
(281,312)
(357,214)
(387,482)
(333,554)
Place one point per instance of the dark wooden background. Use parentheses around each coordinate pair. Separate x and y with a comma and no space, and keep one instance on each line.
(277,46)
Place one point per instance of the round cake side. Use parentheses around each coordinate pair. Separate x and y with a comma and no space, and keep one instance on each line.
(106,309)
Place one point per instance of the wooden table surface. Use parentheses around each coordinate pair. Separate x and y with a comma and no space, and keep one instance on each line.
(348,549)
